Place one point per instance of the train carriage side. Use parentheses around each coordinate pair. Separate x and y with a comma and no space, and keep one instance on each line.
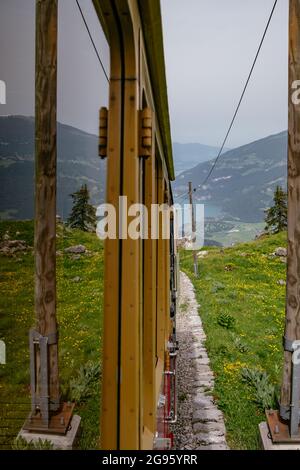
(139,352)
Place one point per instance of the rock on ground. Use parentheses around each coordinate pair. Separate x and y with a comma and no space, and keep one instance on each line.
(200,423)
(280,252)
(9,247)
(76,249)
(202,254)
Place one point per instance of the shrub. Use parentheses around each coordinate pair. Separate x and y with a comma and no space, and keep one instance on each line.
(239,344)
(86,383)
(264,390)
(216,287)
(41,444)
(226,321)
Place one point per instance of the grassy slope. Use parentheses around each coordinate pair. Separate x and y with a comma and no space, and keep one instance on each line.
(79,317)
(243,282)
(244,233)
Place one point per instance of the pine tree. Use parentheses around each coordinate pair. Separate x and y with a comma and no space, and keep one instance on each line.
(83,214)
(276,216)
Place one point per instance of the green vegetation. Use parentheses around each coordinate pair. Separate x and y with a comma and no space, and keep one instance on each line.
(276,216)
(83,214)
(21,444)
(226,320)
(242,308)
(80,297)
(264,390)
(232,232)
(242,283)
(86,384)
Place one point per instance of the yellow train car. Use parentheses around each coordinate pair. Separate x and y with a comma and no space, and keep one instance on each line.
(139,355)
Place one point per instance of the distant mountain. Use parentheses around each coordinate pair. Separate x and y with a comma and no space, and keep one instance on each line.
(244,180)
(78,163)
(241,186)
(187,156)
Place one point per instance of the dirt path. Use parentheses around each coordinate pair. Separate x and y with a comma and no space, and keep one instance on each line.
(200,424)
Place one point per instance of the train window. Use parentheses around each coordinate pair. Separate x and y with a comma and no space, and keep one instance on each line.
(17,53)
(82,89)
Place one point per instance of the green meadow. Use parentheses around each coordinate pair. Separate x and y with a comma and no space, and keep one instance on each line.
(241,294)
(79,312)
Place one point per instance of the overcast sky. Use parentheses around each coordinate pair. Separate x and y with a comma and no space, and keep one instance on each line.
(209,48)
(82,87)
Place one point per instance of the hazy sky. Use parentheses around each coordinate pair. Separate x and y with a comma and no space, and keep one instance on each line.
(82,88)
(209,48)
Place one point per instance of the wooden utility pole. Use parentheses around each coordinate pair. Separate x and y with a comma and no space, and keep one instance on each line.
(193,227)
(45,186)
(290,388)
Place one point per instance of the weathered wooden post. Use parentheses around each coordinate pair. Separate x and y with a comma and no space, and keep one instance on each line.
(45,186)
(47,414)
(43,339)
(193,228)
(290,392)
(284,426)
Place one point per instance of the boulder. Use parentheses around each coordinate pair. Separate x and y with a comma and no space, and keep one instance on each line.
(282,252)
(202,254)
(16,244)
(12,246)
(76,249)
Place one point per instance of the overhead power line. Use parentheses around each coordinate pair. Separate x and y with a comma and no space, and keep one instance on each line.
(184,195)
(242,95)
(92,40)
(239,103)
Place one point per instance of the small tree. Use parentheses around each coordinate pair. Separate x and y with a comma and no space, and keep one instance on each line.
(276,216)
(83,214)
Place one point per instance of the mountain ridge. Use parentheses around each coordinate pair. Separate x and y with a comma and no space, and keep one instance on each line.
(241,186)
(77,163)
(244,179)
(187,155)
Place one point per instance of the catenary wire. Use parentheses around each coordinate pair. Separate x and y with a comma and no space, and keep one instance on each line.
(239,103)
(92,40)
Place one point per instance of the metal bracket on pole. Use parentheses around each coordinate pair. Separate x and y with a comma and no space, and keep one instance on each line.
(295,397)
(47,415)
(41,400)
(292,412)
(284,412)
(289,344)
